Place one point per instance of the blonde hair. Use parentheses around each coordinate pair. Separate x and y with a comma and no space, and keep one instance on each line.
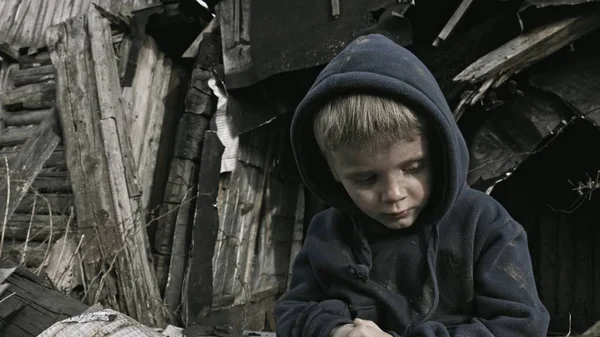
(363,121)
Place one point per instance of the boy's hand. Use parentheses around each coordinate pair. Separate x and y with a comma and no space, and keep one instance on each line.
(364,328)
(341,331)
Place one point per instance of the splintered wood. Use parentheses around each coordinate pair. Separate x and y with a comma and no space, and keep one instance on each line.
(494,68)
(102,170)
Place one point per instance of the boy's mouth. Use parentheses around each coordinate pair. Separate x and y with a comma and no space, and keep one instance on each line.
(397,215)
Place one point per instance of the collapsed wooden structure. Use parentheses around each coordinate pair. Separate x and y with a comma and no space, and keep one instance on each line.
(155,176)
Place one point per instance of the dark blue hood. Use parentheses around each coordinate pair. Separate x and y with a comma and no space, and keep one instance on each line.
(376,65)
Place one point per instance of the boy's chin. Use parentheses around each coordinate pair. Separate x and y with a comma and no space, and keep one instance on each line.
(397,224)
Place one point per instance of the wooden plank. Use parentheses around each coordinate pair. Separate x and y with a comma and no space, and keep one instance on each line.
(32,75)
(190,136)
(26,167)
(198,289)
(37,32)
(82,53)
(167,217)
(36,228)
(30,305)
(181,181)
(56,160)
(529,48)
(33,96)
(12,136)
(449,27)
(271,261)
(56,183)
(146,100)
(36,60)
(179,190)
(26,117)
(46,204)
(110,94)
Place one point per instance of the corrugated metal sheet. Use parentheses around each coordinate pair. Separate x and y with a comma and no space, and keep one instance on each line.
(24,22)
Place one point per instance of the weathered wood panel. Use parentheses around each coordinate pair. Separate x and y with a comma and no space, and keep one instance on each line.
(30,305)
(256,228)
(145,103)
(275,239)
(98,158)
(24,22)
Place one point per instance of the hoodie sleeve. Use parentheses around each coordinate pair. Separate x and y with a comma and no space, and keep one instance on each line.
(304,310)
(506,298)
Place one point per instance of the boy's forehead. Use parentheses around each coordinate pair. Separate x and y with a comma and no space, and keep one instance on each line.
(357,157)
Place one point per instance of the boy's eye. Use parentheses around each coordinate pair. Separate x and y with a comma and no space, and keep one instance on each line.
(416,167)
(364,180)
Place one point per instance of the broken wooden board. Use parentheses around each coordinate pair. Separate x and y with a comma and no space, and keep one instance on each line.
(511,135)
(576,80)
(30,305)
(529,48)
(100,160)
(26,167)
(198,287)
(449,27)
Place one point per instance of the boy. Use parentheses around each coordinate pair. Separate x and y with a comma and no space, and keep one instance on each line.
(407,249)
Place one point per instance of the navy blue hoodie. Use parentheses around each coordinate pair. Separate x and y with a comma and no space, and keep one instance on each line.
(462,269)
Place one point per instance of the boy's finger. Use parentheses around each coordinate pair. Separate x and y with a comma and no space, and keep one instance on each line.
(358,321)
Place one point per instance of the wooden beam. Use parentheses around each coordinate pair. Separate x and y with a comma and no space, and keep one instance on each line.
(32,75)
(449,27)
(529,48)
(30,305)
(198,287)
(25,169)
(26,117)
(16,135)
(56,160)
(100,163)
(32,96)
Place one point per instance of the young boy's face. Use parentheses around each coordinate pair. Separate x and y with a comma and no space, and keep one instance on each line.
(391,184)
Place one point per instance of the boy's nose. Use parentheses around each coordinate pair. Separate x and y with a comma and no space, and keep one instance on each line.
(394,192)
